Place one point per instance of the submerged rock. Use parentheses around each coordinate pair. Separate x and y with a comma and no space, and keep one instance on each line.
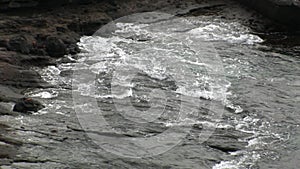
(227,140)
(26,105)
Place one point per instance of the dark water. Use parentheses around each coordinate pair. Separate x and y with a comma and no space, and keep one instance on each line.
(156,91)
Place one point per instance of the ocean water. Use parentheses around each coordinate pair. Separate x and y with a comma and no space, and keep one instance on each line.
(157,88)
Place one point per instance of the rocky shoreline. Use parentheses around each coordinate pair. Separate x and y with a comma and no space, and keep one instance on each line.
(33,33)
(37,34)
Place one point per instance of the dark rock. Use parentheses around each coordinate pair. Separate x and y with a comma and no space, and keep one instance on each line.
(19,77)
(286,12)
(55,47)
(88,27)
(70,38)
(21,44)
(40,52)
(36,60)
(22,3)
(14,58)
(26,105)
(7,56)
(4,42)
(61,29)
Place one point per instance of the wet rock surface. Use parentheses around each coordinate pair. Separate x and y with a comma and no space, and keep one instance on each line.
(27,105)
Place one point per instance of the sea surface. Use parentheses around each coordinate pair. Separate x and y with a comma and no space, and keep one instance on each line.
(153,90)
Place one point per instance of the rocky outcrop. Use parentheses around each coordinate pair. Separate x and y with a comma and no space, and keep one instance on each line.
(286,12)
(17,76)
(46,31)
(36,33)
(14,4)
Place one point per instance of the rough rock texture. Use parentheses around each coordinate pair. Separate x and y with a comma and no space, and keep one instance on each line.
(283,11)
(55,47)
(15,4)
(27,105)
(287,2)
(19,77)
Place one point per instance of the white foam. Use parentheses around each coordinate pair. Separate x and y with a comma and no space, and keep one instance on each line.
(218,30)
(127,93)
(226,165)
(53,70)
(237,109)
(191,122)
(244,160)
(131,29)
(92,44)
(44,94)
(50,74)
